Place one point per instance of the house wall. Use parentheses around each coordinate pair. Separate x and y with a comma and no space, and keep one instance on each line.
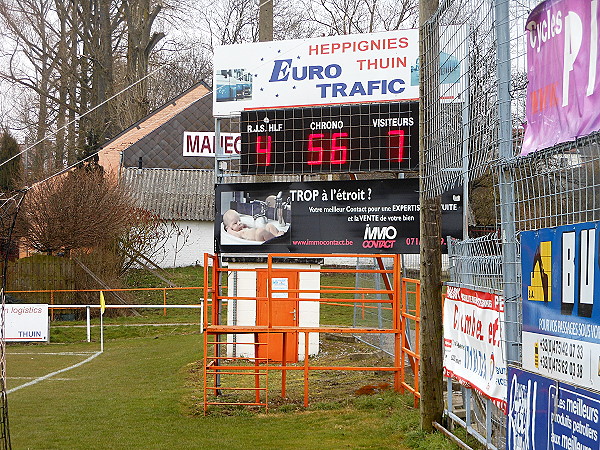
(198,240)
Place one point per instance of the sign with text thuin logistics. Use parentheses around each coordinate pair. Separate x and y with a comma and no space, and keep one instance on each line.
(561,303)
(26,322)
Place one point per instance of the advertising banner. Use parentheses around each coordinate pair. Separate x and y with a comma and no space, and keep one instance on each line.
(204,143)
(357,68)
(563,90)
(374,216)
(544,414)
(474,342)
(561,303)
(26,322)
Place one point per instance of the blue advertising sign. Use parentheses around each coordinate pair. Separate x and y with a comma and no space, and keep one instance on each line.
(545,414)
(561,303)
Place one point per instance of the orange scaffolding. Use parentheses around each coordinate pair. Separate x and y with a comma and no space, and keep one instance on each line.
(396,295)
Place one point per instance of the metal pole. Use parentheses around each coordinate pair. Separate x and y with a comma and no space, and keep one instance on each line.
(507,196)
(218,151)
(465,147)
(87,317)
(101,333)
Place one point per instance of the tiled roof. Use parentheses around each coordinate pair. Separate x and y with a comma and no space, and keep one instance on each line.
(182,194)
(157,118)
(158,137)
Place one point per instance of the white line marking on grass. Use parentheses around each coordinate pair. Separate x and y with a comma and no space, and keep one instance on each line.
(33,378)
(45,377)
(53,353)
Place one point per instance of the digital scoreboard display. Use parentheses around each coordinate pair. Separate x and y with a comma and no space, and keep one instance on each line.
(343,138)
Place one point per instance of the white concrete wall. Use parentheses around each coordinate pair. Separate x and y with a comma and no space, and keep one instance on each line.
(243,284)
(199,241)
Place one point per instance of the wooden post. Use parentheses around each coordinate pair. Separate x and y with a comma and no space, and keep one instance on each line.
(431,367)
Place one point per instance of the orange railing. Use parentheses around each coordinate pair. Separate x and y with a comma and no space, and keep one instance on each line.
(395,295)
(52,294)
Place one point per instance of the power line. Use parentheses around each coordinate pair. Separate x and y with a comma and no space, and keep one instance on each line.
(74,121)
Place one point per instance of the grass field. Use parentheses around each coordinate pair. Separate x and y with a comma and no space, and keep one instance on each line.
(144,392)
(139,394)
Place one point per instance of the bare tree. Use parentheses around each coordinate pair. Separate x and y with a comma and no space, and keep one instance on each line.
(78,210)
(67,55)
(337,17)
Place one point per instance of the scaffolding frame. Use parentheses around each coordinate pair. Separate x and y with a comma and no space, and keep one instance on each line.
(396,294)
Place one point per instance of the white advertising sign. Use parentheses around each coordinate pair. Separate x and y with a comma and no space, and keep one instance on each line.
(474,342)
(27,322)
(334,69)
(204,143)
(570,360)
(358,68)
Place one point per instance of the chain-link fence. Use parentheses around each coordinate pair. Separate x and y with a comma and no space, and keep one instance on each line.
(372,315)
(473,132)
(9,208)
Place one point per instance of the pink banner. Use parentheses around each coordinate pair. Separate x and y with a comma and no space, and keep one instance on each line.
(563,93)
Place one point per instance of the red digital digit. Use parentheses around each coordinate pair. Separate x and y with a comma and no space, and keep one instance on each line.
(263,151)
(339,153)
(395,148)
(315,152)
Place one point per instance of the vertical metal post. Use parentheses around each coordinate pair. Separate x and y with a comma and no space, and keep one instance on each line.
(218,151)
(382,337)
(305,369)
(467,400)
(87,321)
(399,358)
(466,116)
(356,289)
(488,422)
(507,196)
(101,332)
(449,394)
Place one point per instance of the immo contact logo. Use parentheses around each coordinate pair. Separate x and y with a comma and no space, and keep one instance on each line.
(379,237)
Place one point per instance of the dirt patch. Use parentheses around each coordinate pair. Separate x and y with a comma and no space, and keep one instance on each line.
(326,388)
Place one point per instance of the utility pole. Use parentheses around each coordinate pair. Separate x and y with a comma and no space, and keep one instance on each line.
(431,383)
(265,20)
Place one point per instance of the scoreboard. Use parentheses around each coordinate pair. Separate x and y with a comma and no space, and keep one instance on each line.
(342,138)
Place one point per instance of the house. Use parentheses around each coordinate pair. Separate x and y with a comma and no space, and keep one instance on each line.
(149,159)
